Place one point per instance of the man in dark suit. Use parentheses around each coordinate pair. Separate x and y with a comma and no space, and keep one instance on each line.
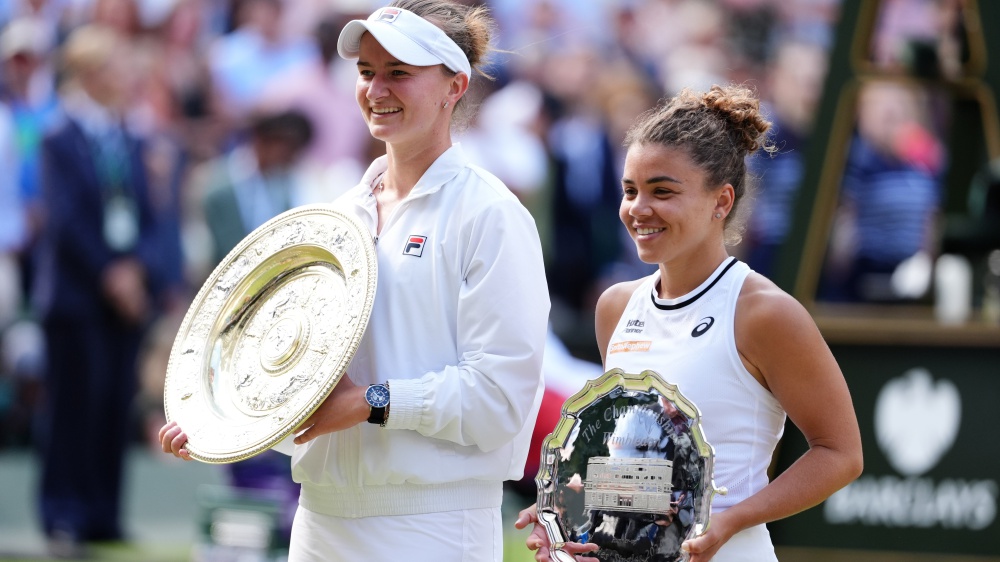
(95,289)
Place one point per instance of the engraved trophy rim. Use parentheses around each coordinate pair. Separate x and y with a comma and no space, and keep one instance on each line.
(270,332)
(567,430)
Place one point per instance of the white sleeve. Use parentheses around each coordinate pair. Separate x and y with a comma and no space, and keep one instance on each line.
(503,308)
(286,446)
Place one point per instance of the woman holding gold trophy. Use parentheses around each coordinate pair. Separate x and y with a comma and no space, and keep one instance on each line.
(406,457)
(745,352)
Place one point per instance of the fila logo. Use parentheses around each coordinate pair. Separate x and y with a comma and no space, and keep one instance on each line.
(388,15)
(702,326)
(414,245)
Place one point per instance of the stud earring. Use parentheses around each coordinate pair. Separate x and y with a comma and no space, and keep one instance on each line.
(445,105)
(718,215)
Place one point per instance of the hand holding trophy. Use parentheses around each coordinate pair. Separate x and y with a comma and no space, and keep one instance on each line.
(627,469)
(270,333)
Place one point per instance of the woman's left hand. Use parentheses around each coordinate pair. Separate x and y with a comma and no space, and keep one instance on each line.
(703,547)
(344,408)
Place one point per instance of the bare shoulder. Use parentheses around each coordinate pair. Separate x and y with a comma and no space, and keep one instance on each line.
(610,307)
(614,299)
(764,304)
(776,336)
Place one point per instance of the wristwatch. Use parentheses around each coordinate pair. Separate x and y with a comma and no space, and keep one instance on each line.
(377,397)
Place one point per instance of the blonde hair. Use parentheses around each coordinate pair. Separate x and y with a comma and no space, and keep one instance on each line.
(472,28)
(89,48)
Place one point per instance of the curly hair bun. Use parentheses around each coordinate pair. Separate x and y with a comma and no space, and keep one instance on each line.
(741,109)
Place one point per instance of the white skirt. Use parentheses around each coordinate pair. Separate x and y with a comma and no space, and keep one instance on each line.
(749,545)
(474,535)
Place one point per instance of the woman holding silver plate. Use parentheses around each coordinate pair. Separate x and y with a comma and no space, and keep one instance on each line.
(448,373)
(742,350)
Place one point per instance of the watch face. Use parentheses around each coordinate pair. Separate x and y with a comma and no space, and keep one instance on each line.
(377,396)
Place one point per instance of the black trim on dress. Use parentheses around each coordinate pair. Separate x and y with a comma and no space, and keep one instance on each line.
(652,294)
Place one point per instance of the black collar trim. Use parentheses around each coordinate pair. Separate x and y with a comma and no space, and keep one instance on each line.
(682,304)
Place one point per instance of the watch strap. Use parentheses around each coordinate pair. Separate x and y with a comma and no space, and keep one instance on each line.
(378,415)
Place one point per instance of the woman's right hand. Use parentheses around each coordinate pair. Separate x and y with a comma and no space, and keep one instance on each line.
(538,540)
(173,439)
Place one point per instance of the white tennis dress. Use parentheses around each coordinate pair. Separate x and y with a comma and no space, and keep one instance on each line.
(690,341)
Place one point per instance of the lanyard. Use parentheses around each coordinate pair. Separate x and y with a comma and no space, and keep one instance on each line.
(110,153)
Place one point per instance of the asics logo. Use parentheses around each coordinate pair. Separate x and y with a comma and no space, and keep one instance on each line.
(702,326)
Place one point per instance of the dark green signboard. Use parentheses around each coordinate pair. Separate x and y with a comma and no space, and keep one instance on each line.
(929,420)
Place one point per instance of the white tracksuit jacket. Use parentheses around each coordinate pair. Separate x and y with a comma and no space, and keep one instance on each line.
(457,328)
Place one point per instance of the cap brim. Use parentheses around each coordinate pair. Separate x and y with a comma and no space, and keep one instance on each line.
(400,46)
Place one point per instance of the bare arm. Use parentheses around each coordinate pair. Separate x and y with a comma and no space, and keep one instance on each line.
(782,347)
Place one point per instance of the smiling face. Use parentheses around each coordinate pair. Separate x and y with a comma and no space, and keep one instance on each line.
(666,206)
(403,103)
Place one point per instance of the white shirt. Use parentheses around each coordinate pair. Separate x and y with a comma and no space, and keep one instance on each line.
(457,328)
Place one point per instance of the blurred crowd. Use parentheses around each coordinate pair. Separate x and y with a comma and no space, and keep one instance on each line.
(201,119)
(241,109)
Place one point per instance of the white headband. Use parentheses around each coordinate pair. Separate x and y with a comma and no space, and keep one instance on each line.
(408,37)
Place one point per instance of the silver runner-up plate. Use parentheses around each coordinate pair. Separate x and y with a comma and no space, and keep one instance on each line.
(627,468)
(271,332)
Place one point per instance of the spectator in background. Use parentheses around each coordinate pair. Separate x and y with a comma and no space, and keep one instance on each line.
(324,91)
(12,220)
(793,87)
(697,55)
(584,160)
(257,180)
(749,25)
(27,105)
(11,240)
(119,15)
(596,99)
(95,290)
(902,26)
(890,196)
(20,341)
(26,87)
(505,137)
(540,25)
(243,62)
(924,38)
(176,83)
(53,12)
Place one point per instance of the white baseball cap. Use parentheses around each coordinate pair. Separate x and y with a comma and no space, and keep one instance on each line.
(408,37)
(25,35)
